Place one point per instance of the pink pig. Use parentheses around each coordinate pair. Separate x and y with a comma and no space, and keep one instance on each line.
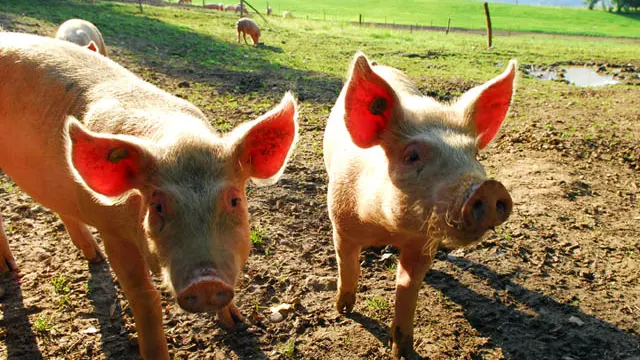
(101,147)
(403,171)
(83,33)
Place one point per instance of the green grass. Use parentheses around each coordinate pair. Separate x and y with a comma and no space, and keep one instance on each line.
(43,324)
(468,14)
(257,237)
(60,284)
(288,349)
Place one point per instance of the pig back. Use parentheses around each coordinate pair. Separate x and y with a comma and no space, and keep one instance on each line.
(44,81)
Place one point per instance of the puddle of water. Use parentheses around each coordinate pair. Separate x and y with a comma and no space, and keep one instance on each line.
(584,77)
(578,76)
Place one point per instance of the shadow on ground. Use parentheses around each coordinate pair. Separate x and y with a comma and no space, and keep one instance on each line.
(524,336)
(18,333)
(183,53)
(106,307)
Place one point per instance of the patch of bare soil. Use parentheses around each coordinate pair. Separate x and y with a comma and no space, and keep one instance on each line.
(558,281)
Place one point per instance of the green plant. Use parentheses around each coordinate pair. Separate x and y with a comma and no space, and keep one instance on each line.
(256,237)
(289,348)
(60,284)
(43,324)
(376,303)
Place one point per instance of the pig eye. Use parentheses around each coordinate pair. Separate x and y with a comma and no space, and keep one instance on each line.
(159,209)
(235,202)
(411,157)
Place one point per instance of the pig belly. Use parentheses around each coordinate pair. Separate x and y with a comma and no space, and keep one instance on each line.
(39,167)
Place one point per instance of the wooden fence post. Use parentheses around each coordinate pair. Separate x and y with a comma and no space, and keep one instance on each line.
(486,14)
(448,26)
(140,3)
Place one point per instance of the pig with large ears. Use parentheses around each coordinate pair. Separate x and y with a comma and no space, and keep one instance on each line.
(101,147)
(403,170)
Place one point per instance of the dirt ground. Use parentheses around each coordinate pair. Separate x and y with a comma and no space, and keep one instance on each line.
(559,280)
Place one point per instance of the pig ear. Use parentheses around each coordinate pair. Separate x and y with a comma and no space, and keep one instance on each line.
(110,165)
(263,146)
(92,46)
(368,103)
(486,106)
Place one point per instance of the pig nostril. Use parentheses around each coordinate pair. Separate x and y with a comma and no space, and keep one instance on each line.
(478,210)
(221,295)
(501,209)
(191,299)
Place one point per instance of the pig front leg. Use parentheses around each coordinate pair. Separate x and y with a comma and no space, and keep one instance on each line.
(229,315)
(7,262)
(412,267)
(82,239)
(133,275)
(348,272)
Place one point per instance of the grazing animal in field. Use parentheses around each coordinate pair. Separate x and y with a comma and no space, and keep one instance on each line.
(248,26)
(287,15)
(83,33)
(230,8)
(269,10)
(182,2)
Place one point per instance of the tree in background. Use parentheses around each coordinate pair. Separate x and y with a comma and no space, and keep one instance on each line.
(625,5)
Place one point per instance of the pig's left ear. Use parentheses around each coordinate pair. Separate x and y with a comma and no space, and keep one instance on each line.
(263,146)
(368,103)
(485,107)
(92,46)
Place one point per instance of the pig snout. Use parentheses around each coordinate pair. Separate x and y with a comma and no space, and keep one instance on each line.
(487,206)
(205,292)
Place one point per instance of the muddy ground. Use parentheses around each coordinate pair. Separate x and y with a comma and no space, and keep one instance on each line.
(558,281)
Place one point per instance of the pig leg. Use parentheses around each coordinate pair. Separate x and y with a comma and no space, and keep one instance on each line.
(348,270)
(244,36)
(133,275)
(238,35)
(82,239)
(7,262)
(229,315)
(412,267)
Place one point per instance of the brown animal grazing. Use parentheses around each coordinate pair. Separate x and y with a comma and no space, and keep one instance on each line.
(182,2)
(214,6)
(248,26)
(83,33)
(91,141)
(403,171)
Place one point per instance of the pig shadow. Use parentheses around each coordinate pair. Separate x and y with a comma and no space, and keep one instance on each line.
(520,335)
(243,343)
(18,333)
(103,295)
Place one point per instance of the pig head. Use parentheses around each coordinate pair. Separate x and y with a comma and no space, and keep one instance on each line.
(403,170)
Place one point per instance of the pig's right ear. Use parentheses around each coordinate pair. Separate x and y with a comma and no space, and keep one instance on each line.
(108,164)
(92,46)
(368,103)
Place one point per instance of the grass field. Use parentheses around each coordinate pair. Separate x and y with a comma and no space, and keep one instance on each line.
(468,14)
(558,280)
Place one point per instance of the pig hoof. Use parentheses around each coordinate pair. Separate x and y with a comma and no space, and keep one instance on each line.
(229,316)
(402,345)
(8,265)
(345,302)
(97,258)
